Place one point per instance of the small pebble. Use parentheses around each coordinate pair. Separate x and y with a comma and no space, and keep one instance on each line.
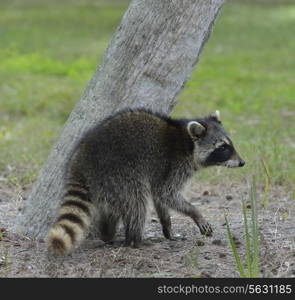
(218,242)
(205,275)
(200,243)
(236,240)
(221,255)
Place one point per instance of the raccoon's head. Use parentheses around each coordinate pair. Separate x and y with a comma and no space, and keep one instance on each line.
(212,145)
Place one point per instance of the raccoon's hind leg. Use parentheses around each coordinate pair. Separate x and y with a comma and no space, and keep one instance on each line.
(134,221)
(107,225)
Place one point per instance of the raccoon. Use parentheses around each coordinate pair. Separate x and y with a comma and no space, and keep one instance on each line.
(126,159)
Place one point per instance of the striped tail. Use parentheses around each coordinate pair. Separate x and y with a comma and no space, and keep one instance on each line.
(73,222)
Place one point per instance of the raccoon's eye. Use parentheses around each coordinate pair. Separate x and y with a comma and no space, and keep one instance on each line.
(224,150)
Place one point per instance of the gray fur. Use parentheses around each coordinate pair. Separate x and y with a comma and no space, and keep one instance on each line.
(136,155)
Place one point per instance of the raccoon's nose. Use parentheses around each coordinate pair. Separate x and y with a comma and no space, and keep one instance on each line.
(242,163)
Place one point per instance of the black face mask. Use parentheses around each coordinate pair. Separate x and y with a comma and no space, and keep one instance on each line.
(221,154)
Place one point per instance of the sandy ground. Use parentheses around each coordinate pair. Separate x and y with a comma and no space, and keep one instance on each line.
(191,255)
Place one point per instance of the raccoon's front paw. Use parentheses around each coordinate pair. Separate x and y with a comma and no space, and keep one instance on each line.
(205,228)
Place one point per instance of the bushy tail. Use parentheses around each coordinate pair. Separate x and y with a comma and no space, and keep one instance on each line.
(73,222)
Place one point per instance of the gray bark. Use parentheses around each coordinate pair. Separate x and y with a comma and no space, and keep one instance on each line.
(148,61)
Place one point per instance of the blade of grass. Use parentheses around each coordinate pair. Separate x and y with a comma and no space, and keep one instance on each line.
(266,184)
(255,261)
(234,249)
(247,240)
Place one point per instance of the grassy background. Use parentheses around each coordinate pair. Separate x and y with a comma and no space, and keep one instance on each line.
(50,49)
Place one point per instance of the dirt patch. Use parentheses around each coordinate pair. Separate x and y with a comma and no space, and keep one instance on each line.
(191,255)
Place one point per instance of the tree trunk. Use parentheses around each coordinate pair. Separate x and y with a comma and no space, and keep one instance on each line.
(148,61)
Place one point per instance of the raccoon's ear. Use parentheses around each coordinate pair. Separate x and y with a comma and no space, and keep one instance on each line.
(195,129)
(216,116)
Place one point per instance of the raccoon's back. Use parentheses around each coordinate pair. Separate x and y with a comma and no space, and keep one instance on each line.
(131,139)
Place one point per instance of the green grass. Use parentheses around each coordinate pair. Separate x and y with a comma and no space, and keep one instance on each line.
(251,250)
(50,49)
(246,71)
(48,52)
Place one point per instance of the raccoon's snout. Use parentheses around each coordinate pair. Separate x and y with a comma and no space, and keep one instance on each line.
(234,162)
(242,163)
